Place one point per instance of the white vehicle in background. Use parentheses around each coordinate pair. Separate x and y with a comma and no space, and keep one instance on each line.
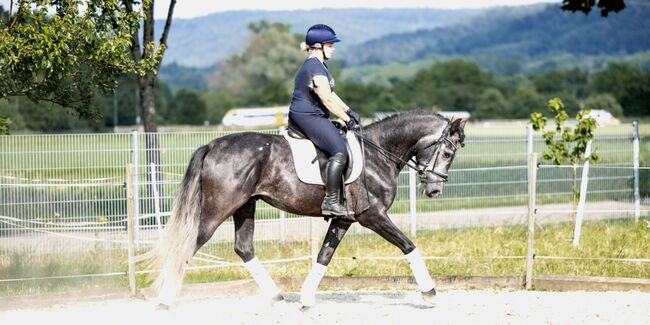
(256,116)
(603,117)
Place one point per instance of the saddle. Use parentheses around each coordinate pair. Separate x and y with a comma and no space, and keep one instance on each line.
(310,162)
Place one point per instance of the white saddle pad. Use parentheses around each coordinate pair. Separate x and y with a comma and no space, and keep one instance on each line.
(307,168)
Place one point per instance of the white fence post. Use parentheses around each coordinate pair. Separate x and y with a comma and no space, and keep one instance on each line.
(637,196)
(529,138)
(156,199)
(532,186)
(583,197)
(136,187)
(413,216)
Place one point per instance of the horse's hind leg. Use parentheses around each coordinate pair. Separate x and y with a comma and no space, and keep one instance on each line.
(244,219)
(333,238)
(382,225)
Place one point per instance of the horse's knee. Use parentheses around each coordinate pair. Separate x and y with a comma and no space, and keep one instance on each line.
(245,251)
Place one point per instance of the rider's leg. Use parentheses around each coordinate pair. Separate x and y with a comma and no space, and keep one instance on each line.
(327,138)
(333,181)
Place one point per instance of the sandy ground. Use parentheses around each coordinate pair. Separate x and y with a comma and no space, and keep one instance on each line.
(450,307)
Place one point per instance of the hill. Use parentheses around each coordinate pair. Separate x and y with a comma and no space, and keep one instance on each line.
(200,42)
(513,35)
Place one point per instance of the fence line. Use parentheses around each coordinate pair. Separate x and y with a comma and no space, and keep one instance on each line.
(58,192)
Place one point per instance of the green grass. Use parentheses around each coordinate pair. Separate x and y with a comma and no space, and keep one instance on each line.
(466,251)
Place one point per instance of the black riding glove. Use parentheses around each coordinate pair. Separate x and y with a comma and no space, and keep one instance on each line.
(355,116)
(351,124)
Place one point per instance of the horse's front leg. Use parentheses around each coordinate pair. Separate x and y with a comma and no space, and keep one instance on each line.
(382,225)
(333,237)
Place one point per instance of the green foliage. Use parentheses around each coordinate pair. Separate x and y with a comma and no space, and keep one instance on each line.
(628,84)
(188,108)
(261,75)
(68,57)
(563,143)
(451,85)
(606,6)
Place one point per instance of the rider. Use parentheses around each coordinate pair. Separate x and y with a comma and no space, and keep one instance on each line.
(312,102)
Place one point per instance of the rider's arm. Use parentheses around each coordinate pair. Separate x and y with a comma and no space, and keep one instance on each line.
(332,102)
(340,102)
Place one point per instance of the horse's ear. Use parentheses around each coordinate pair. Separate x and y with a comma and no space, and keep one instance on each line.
(457,124)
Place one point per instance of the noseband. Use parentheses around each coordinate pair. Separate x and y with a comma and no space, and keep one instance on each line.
(424,170)
(430,168)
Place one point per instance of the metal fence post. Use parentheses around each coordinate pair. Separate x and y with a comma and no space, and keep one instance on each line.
(130,218)
(635,145)
(313,240)
(136,186)
(530,253)
(413,217)
(282,221)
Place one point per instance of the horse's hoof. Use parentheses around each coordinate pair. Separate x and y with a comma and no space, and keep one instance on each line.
(304,308)
(429,296)
(277,298)
(162,307)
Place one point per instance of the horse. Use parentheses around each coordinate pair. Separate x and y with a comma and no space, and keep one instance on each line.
(228,175)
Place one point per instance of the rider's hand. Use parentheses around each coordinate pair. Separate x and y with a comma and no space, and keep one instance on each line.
(351,124)
(354,116)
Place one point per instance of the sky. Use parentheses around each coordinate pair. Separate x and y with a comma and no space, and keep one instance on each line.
(196,8)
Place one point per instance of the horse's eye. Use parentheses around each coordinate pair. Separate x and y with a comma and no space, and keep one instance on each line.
(446,155)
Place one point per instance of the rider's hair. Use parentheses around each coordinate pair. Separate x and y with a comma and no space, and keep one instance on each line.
(307,48)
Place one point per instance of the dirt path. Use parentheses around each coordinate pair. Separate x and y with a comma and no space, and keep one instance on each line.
(404,308)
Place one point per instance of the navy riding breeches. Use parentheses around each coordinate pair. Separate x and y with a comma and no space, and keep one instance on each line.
(321,131)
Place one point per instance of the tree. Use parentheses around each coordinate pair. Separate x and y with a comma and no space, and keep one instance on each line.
(67,56)
(604,101)
(628,84)
(563,143)
(149,51)
(492,104)
(263,73)
(451,85)
(606,6)
(188,108)
(146,81)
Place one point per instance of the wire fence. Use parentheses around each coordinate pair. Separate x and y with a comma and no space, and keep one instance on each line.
(63,209)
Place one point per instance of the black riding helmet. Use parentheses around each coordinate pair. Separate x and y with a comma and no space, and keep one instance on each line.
(320,33)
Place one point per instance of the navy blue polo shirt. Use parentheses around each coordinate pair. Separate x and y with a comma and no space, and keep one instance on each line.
(305,100)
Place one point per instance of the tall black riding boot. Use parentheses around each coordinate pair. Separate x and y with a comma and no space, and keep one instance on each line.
(333,180)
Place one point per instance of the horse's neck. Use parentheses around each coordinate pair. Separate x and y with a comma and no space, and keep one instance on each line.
(400,139)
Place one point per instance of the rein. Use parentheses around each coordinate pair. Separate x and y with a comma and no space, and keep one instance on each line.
(412,162)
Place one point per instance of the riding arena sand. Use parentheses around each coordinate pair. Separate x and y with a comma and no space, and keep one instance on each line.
(353,307)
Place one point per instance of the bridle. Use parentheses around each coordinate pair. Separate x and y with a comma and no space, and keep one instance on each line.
(424,170)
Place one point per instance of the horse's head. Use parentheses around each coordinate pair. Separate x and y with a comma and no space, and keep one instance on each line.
(435,154)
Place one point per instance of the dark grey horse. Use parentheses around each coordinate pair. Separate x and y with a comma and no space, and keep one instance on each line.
(227,176)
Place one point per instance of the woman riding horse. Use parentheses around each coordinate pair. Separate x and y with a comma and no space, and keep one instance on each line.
(312,102)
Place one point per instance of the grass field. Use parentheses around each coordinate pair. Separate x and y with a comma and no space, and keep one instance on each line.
(469,251)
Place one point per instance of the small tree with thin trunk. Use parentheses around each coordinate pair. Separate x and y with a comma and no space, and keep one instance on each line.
(563,143)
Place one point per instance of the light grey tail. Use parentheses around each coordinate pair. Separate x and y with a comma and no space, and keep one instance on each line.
(179,240)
